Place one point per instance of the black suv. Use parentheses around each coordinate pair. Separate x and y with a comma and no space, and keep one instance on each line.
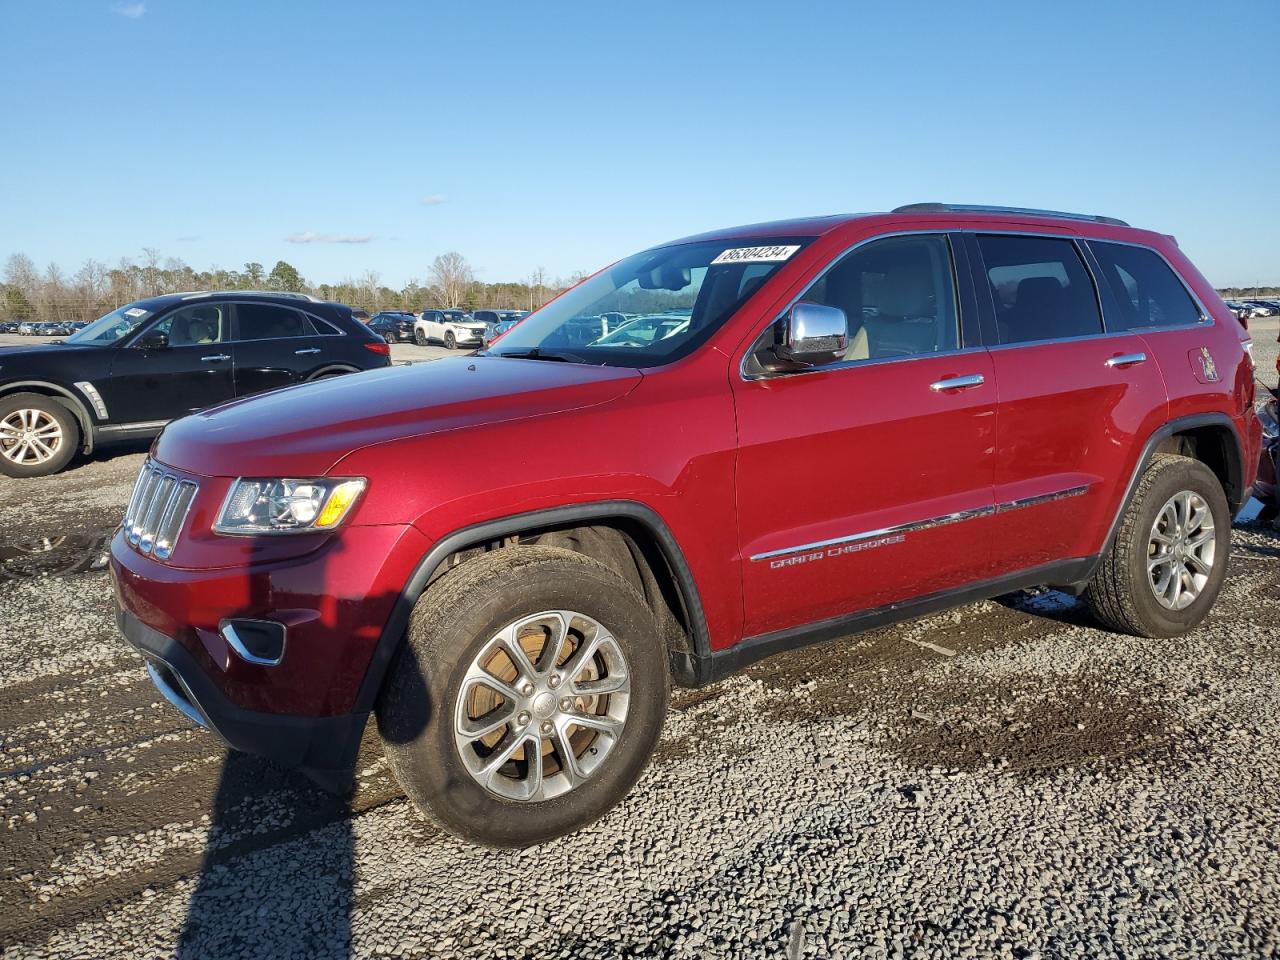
(129,373)
(394,326)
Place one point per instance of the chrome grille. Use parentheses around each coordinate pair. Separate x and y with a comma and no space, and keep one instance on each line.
(157,510)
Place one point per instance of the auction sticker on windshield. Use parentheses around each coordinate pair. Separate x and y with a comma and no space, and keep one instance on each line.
(772,254)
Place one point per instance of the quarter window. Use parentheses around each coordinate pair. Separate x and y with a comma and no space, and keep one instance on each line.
(898,295)
(1147,292)
(265,321)
(1040,287)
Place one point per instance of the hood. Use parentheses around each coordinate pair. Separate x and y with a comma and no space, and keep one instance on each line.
(305,430)
(9,354)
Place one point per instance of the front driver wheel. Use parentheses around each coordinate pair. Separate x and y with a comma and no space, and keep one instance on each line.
(38,435)
(528,697)
(419,337)
(450,340)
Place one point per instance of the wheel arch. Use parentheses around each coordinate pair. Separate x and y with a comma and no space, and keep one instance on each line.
(332,370)
(63,396)
(1212,439)
(665,579)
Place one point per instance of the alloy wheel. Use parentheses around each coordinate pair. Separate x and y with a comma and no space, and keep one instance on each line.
(542,705)
(1181,550)
(29,437)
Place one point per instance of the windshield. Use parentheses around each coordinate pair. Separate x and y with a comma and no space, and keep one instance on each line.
(673,298)
(116,325)
(455,316)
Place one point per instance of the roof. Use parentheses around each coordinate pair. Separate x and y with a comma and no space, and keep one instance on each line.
(167,299)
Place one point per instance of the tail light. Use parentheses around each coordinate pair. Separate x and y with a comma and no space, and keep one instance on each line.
(380,348)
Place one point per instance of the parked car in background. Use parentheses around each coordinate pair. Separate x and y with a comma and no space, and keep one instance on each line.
(394,326)
(453,328)
(498,322)
(28,328)
(866,419)
(643,330)
(10,326)
(135,369)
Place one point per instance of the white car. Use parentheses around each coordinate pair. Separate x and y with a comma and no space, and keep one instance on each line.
(453,328)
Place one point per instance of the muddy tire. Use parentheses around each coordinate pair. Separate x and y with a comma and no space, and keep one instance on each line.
(527,698)
(1167,562)
(38,435)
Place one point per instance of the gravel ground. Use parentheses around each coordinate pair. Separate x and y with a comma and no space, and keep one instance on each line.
(1002,780)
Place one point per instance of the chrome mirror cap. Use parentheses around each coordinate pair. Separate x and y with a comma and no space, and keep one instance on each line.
(813,334)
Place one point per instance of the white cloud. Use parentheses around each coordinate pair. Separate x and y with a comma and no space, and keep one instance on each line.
(434,200)
(310,236)
(131,10)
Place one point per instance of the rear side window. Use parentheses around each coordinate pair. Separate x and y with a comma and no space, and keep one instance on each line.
(1147,291)
(265,321)
(1040,287)
(898,295)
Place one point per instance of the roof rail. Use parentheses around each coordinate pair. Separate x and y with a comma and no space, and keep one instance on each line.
(1025,211)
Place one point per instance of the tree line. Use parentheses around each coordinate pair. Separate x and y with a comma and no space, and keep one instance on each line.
(29,293)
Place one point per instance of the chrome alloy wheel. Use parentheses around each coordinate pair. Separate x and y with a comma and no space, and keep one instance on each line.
(1181,550)
(542,705)
(30,437)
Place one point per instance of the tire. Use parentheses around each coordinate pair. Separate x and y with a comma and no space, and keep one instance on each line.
(1121,593)
(459,618)
(28,417)
(419,337)
(450,340)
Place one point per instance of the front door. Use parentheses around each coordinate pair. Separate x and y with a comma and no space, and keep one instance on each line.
(193,370)
(868,481)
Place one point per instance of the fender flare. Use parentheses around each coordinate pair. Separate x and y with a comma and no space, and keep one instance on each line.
(67,398)
(331,369)
(490,530)
(1235,463)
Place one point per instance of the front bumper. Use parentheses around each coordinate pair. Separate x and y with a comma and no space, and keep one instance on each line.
(314,743)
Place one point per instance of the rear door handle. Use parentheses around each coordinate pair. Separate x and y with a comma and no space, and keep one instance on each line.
(1127,360)
(299,353)
(958,383)
(216,357)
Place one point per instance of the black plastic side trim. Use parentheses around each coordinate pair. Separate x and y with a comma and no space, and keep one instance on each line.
(723,663)
(492,530)
(1235,465)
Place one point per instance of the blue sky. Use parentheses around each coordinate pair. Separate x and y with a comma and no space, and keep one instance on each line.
(565,135)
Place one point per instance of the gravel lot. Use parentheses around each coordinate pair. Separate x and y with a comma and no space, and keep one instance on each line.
(1002,780)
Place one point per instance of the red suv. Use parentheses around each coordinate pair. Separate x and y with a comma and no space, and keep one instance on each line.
(838,423)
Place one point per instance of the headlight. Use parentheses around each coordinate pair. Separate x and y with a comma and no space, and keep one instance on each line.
(287,506)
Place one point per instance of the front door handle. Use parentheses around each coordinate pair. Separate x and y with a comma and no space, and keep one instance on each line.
(300,353)
(1127,360)
(958,383)
(216,357)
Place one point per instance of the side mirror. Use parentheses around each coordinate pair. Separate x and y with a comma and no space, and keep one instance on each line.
(812,334)
(155,340)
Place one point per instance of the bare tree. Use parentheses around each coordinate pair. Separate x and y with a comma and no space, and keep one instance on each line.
(20,272)
(452,276)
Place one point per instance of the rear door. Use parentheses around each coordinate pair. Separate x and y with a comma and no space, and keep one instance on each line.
(869,481)
(192,372)
(276,346)
(1074,398)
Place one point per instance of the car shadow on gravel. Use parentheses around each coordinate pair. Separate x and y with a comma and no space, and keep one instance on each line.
(253,897)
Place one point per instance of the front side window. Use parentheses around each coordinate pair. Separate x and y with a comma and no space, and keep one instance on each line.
(266,321)
(702,284)
(898,296)
(195,326)
(1147,292)
(1040,287)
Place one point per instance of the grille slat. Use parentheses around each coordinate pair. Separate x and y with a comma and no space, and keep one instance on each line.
(157,510)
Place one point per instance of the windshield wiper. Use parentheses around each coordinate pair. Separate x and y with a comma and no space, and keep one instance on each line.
(537,353)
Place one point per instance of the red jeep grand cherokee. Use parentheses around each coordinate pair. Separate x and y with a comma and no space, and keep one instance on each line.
(779,434)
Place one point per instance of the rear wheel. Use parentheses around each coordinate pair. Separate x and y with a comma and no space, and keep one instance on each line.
(528,698)
(1164,570)
(38,435)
